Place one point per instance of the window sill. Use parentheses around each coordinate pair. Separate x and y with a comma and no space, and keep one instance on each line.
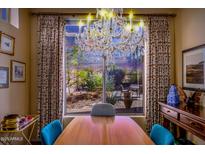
(118,114)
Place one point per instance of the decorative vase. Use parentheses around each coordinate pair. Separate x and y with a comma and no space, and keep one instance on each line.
(173,96)
(127,100)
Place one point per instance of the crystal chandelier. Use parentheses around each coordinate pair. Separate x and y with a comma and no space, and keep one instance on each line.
(110,32)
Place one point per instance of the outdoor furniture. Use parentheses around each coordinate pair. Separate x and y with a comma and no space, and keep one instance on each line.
(135,91)
(118,95)
(103,109)
(127,100)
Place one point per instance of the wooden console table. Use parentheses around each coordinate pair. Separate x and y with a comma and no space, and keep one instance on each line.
(191,119)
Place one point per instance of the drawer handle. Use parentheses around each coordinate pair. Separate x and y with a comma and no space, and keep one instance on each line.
(196,125)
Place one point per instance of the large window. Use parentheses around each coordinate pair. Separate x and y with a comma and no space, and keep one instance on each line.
(124,79)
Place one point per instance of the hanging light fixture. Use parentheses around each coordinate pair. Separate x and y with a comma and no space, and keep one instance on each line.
(110,32)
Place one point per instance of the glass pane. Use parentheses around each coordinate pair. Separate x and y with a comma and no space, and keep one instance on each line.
(124,79)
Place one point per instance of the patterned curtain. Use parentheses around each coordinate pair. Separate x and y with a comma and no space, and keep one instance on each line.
(158,71)
(50,68)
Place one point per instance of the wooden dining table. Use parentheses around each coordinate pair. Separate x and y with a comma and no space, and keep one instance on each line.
(118,130)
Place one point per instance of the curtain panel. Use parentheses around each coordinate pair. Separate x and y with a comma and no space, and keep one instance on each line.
(158,71)
(50,68)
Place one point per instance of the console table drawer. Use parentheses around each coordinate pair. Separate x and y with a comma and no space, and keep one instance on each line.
(198,126)
(169,112)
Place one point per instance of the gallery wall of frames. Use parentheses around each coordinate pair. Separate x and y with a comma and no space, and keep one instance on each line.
(16,72)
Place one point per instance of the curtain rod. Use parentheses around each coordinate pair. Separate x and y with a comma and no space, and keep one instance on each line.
(80,14)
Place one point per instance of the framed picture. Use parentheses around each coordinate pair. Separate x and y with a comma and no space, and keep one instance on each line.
(194,68)
(4,77)
(7,44)
(18,71)
(4,14)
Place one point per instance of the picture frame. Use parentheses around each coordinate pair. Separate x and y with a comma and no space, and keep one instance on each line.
(193,69)
(18,71)
(7,44)
(5,15)
(4,77)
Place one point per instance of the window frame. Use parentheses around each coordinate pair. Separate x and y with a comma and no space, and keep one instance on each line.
(74,114)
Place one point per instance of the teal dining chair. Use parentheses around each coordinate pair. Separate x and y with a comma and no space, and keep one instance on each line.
(161,135)
(50,132)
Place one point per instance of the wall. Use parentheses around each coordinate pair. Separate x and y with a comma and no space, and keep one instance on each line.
(93,10)
(15,99)
(189,32)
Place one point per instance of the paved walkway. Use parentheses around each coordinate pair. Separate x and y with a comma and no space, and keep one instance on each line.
(86,105)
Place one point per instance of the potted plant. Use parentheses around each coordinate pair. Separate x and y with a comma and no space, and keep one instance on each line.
(110,88)
(127,99)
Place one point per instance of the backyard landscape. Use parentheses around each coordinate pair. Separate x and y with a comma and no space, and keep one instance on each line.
(124,78)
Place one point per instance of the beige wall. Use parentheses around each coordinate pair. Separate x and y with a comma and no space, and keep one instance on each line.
(189,32)
(15,99)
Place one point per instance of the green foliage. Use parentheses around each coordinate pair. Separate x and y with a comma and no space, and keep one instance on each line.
(111,99)
(110,87)
(135,77)
(74,56)
(89,80)
(110,84)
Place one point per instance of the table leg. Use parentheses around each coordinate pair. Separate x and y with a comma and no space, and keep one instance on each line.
(24,136)
(31,133)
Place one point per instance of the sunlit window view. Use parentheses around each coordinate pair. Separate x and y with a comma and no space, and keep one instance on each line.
(124,77)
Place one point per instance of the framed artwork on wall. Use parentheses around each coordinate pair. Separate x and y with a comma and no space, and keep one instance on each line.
(18,71)
(4,77)
(5,15)
(194,68)
(7,44)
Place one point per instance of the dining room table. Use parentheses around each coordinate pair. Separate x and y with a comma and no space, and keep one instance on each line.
(94,130)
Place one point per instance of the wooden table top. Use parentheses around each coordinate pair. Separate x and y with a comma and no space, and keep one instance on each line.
(118,130)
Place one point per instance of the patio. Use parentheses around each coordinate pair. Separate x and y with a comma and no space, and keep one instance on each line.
(82,102)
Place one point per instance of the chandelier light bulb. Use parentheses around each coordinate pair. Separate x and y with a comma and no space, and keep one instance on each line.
(131,15)
(103,13)
(110,15)
(89,17)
